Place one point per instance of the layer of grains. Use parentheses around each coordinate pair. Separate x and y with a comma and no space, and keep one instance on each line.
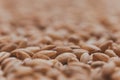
(59,40)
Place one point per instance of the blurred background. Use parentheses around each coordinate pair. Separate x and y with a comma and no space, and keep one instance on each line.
(52,12)
(83,18)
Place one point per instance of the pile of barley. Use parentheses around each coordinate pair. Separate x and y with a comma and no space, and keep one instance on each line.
(66,41)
